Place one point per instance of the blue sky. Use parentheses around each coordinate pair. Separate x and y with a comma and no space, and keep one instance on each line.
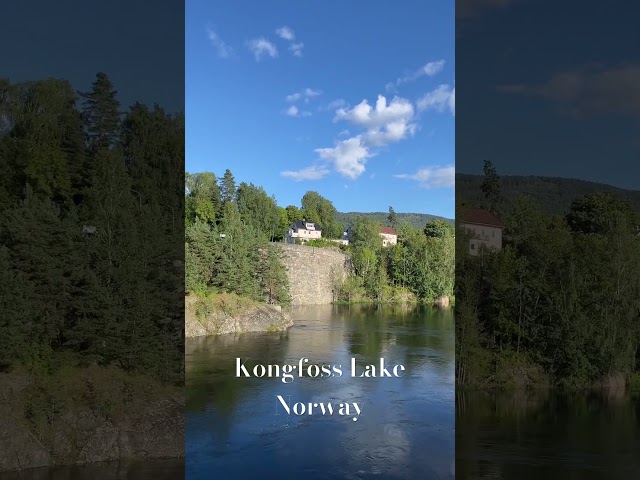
(353,100)
(119,37)
(562,101)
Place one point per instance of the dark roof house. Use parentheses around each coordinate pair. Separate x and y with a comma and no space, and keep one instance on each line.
(302,225)
(479,216)
(388,231)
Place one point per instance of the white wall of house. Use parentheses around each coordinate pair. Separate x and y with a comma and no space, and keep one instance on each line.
(483,235)
(388,239)
(309,233)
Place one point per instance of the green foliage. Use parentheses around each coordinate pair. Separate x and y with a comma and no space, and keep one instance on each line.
(417,268)
(232,254)
(560,301)
(322,243)
(105,295)
(392,218)
(491,186)
(416,220)
(319,210)
(259,210)
(293,214)
(553,195)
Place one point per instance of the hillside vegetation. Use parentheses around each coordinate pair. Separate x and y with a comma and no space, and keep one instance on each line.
(552,194)
(229,228)
(417,220)
(560,303)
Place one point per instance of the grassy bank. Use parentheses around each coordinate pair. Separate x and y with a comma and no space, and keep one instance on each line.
(207,302)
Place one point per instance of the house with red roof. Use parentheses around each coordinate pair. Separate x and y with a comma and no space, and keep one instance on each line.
(389,236)
(485,229)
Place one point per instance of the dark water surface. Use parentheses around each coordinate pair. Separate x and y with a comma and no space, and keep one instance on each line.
(547,436)
(405,430)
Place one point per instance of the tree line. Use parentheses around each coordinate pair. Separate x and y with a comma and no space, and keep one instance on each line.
(229,230)
(91,230)
(560,303)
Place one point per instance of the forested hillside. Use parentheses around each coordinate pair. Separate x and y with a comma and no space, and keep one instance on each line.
(553,194)
(417,220)
(90,230)
(560,303)
(229,229)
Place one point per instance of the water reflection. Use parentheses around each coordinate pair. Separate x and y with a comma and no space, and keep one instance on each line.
(545,435)
(406,426)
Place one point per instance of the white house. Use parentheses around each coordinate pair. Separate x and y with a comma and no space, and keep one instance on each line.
(304,231)
(485,230)
(389,236)
(344,240)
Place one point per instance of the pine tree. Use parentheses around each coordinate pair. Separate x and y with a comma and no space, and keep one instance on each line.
(101,113)
(227,187)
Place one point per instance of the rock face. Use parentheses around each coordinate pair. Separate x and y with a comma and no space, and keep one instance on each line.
(442,302)
(260,318)
(314,273)
(80,435)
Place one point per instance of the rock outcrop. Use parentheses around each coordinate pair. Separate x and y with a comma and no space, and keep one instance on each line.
(78,434)
(257,318)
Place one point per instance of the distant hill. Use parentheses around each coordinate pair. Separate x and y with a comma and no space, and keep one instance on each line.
(418,220)
(554,194)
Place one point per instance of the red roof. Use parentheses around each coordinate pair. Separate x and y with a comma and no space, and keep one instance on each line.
(388,231)
(478,216)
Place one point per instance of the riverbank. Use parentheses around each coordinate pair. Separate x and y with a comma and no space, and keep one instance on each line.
(505,371)
(408,300)
(86,415)
(217,314)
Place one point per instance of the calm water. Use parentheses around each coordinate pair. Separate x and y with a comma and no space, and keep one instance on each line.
(527,436)
(405,430)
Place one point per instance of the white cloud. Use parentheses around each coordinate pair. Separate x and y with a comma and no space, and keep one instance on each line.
(440,99)
(285,33)
(261,47)
(306,94)
(293,111)
(296,49)
(391,87)
(365,115)
(386,123)
(222,49)
(432,177)
(348,157)
(313,172)
(430,69)
(334,105)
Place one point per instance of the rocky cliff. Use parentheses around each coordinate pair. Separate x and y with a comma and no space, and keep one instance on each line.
(91,415)
(200,320)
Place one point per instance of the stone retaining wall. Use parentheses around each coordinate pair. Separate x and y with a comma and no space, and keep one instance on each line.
(314,273)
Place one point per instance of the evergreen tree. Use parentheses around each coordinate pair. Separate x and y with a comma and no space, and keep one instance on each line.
(491,185)
(392,218)
(101,113)
(227,187)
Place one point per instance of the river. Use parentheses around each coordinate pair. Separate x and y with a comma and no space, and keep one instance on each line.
(527,436)
(406,426)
